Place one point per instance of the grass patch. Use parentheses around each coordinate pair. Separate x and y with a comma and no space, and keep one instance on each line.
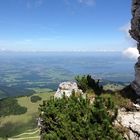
(119,100)
(113,87)
(16,124)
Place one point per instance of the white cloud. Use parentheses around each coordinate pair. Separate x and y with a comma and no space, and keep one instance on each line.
(131,53)
(67,2)
(87,2)
(125,29)
(84,2)
(34,3)
(38,3)
(28,5)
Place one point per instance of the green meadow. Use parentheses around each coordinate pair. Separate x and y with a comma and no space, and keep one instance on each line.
(14,125)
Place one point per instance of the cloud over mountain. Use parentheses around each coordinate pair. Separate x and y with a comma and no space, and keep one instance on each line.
(131,53)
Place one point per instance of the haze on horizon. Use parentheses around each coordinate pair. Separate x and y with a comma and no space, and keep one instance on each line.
(64,25)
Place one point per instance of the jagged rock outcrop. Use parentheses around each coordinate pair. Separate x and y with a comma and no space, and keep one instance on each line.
(135,22)
(135,34)
(67,88)
(131,121)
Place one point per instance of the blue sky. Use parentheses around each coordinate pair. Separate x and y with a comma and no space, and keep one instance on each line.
(64,25)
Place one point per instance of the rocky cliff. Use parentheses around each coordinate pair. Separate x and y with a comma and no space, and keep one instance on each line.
(131,120)
(135,34)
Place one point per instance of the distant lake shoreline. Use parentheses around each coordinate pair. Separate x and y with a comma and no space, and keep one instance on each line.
(107,65)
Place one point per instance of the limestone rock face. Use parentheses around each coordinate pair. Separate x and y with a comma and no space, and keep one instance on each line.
(67,88)
(136,83)
(130,120)
(135,34)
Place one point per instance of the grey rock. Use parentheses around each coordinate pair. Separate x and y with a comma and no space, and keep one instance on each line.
(138,101)
(130,120)
(67,88)
(136,83)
